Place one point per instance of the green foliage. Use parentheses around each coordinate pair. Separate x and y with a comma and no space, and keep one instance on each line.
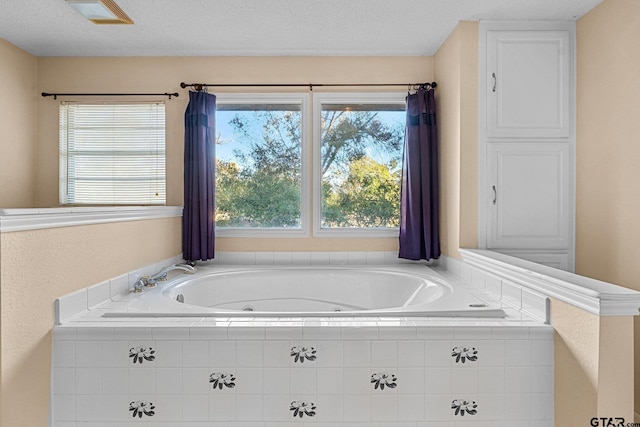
(367,197)
(262,188)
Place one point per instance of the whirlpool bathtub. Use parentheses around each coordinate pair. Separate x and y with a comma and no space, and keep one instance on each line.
(309,291)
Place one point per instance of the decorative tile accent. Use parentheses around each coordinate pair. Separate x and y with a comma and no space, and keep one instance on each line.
(462,354)
(221,379)
(462,407)
(142,353)
(141,407)
(299,354)
(302,407)
(382,380)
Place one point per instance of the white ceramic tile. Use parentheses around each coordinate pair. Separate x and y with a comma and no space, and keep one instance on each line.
(244,258)
(320,258)
(517,353)
(410,407)
(542,406)
(438,406)
(410,353)
(301,258)
(115,381)
(195,354)
(384,353)
(357,408)
(87,407)
(250,406)
(195,408)
(410,381)
(472,333)
(512,294)
(491,380)
(384,408)
(264,258)
(517,380)
(275,332)
(168,408)
(276,408)
(142,380)
(169,354)
(88,354)
(437,353)
(391,257)
(356,353)
(97,294)
(357,381)
(276,380)
(115,354)
(329,353)
(433,332)
(133,333)
(464,381)
(359,332)
(477,277)
(302,381)
(490,407)
(338,258)
(96,333)
(330,381)
(493,285)
(196,380)
(541,352)
(170,333)
(535,304)
(437,380)
(276,354)
(119,286)
(70,305)
(491,353)
(249,353)
(283,258)
(63,380)
(63,353)
(168,380)
(241,331)
(248,380)
(375,258)
(321,332)
(517,406)
(64,407)
(396,332)
(330,409)
(116,408)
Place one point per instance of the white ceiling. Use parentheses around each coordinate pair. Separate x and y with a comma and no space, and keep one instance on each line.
(262,27)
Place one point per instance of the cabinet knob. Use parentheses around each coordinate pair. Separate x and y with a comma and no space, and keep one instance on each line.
(495,81)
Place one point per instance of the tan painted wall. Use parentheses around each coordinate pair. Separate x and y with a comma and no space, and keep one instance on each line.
(608,152)
(456,71)
(40,265)
(141,75)
(18,86)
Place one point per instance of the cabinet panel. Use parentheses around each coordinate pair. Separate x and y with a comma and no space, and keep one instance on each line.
(529,195)
(528,83)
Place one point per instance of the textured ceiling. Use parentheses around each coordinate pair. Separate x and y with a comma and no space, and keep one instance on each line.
(262,27)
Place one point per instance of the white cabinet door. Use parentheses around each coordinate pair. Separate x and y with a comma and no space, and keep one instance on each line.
(529,195)
(528,83)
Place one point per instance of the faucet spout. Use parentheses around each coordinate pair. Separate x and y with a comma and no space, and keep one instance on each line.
(162,274)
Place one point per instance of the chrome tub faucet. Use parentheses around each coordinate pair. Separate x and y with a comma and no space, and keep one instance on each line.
(151,281)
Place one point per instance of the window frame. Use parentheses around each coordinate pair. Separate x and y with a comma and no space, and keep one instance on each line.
(277,98)
(343,98)
(64,156)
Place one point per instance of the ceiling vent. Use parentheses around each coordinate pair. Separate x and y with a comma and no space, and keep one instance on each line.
(101,11)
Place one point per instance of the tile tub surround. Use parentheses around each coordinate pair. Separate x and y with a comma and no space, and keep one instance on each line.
(277,372)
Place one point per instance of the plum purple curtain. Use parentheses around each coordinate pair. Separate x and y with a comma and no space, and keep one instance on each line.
(198,228)
(419,204)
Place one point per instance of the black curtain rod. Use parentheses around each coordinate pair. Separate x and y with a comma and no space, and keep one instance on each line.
(414,86)
(56,95)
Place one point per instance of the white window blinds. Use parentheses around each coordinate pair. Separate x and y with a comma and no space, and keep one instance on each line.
(112,154)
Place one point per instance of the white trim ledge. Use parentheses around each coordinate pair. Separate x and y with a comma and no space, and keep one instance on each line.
(594,296)
(33,219)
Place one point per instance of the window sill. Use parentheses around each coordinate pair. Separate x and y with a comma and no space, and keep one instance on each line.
(32,219)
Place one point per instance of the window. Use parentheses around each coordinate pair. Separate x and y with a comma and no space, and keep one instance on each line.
(112,154)
(260,153)
(358,163)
